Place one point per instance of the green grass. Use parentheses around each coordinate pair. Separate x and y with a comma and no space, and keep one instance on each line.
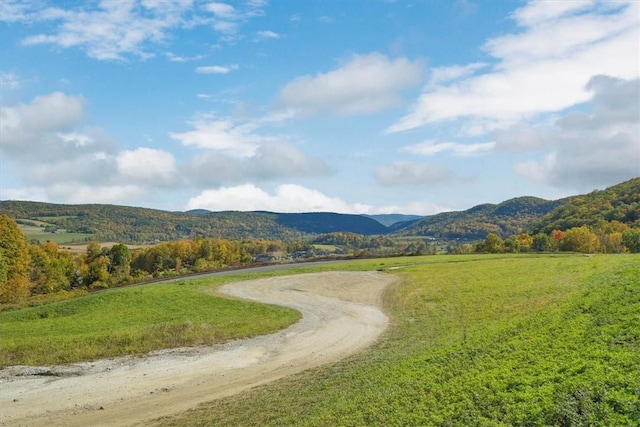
(132,320)
(37,233)
(475,341)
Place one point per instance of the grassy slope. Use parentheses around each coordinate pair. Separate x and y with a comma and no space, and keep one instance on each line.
(477,340)
(132,320)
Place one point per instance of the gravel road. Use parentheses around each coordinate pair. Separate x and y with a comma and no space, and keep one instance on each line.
(341,316)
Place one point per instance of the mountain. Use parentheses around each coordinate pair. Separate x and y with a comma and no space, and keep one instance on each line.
(510,217)
(390,219)
(327,222)
(139,225)
(620,202)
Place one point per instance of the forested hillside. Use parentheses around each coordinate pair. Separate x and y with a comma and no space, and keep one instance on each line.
(619,203)
(140,225)
(505,219)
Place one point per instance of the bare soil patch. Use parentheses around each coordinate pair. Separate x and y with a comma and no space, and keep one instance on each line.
(341,316)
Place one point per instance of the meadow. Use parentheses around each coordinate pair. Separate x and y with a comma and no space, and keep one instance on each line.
(478,340)
(133,320)
(32,232)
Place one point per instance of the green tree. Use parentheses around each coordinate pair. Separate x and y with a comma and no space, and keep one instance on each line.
(541,243)
(580,239)
(493,243)
(120,262)
(631,240)
(512,244)
(14,251)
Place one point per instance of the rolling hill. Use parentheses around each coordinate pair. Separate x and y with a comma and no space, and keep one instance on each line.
(620,202)
(510,217)
(141,225)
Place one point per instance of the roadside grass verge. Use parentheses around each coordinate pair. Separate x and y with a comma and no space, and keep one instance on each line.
(475,340)
(133,321)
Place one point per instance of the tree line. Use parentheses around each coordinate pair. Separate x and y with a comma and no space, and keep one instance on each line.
(606,237)
(28,269)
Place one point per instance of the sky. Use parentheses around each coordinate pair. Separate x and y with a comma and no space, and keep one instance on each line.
(359,106)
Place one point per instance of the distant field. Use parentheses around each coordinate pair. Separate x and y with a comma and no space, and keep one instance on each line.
(476,340)
(37,233)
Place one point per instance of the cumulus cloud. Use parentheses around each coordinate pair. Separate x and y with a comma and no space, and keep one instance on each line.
(53,151)
(148,166)
(238,139)
(585,150)
(294,198)
(429,148)
(365,84)
(410,173)
(286,198)
(31,130)
(271,161)
(542,68)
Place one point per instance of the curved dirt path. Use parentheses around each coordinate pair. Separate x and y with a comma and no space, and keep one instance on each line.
(341,316)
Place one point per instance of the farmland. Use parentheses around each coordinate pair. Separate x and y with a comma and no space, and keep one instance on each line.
(549,339)
(480,340)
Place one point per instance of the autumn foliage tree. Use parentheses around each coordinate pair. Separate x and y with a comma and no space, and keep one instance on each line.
(14,262)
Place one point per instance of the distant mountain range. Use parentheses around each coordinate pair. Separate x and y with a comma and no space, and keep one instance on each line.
(136,225)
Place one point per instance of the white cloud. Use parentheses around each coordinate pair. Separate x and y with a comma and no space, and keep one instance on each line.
(262,35)
(222,134)
(410,173)
(217,69)
(147,165)
(365,84)
(270,161)
(544,68)
(77,193)
(295,198)
(115,30)
(9,81)
(287,198)
(441,75)
(585,150)
(51,150)
(429,148)
(25,129)
(178,58)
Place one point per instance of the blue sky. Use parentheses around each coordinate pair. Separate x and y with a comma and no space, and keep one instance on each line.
(361,106)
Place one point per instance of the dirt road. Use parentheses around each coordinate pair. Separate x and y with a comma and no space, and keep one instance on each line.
(341,316)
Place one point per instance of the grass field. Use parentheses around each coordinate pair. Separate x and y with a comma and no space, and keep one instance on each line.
(476,341)
(480,340)
(37,233)
(132,320)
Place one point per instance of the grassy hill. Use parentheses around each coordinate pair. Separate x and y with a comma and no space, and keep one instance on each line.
(504,219)
(494,340)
